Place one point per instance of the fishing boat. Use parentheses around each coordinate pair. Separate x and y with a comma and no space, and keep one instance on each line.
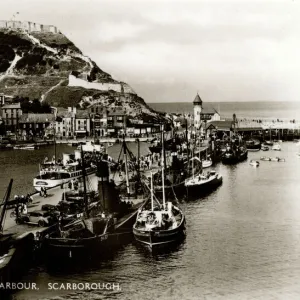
(264,147)
(100,232)
(253,145)
(203,182)
(15,249)
(162,224)
(234,154)
(276,147)
(254,163)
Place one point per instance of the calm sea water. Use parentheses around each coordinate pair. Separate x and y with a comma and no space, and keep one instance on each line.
(243,240)
(275,110)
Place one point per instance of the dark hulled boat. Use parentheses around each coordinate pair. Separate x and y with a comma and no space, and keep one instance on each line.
(203,183)
(253,145)
(234,154)
(100,233)
(15,250)
(160,225)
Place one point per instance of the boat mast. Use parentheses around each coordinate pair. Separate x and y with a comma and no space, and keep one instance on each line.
(138,163)
(163,166)
(5,200)
(55,143)
(84,183)
(152,192)
(187,142)
(126,167)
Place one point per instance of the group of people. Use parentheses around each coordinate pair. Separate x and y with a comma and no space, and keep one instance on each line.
(21,204)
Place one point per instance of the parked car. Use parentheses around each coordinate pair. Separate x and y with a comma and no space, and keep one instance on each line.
(39,217)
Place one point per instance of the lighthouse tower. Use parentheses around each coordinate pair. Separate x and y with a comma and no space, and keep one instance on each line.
(197,111)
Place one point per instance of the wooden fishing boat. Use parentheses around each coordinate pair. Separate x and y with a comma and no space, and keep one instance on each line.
(161,224)
(253,145)
(203,182)
(101,232)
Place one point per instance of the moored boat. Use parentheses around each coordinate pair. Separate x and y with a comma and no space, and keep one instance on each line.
(264,147)
(253,145)
(276,147)
(53,173)
(254,163)
(159,225)
(100,232)
(15,250)
(203,182)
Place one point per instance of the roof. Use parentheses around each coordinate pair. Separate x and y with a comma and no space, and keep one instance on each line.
(82,114)
(12,106)
(222,125)
(197,99)
(208,110)
(36,118)
(116,111)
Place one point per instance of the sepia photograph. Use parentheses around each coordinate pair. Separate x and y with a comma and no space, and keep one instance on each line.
(149,149)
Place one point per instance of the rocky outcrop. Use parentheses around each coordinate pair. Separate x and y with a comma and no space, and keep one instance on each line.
(45,64)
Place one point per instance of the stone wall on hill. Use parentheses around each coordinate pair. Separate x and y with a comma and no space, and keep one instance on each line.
(75,81)
(29,26)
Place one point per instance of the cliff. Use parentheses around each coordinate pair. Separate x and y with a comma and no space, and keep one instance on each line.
(38,61)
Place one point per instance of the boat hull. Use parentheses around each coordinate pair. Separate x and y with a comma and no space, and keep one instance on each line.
(16,260)
(205,186)
(59,248)
(233,159)
(160,238)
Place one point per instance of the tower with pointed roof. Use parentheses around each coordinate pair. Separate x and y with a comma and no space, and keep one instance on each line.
(197,111)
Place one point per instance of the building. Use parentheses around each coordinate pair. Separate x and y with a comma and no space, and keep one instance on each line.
(116,121)
(5,99)
(82,123)
(35,125)
(65,122)
(197,111)
(71,123)
(202,115)
(11,114)
(98,119)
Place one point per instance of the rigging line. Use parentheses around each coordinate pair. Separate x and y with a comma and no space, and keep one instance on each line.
(155,198)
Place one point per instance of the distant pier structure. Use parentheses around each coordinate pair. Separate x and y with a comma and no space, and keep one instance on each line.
(28,26)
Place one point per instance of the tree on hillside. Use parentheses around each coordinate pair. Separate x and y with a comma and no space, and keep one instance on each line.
(32,106)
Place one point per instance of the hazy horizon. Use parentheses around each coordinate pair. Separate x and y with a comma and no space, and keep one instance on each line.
(228,51)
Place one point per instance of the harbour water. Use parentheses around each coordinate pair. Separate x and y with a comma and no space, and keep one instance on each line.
(243,240)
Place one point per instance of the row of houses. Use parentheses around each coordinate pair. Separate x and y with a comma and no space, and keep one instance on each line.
(96,121)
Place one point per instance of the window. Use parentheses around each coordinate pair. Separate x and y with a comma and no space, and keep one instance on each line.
(92,109)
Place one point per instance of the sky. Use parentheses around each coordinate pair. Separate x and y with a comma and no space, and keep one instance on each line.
(169,50)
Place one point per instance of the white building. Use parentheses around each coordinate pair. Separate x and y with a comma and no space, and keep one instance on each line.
(197,111)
